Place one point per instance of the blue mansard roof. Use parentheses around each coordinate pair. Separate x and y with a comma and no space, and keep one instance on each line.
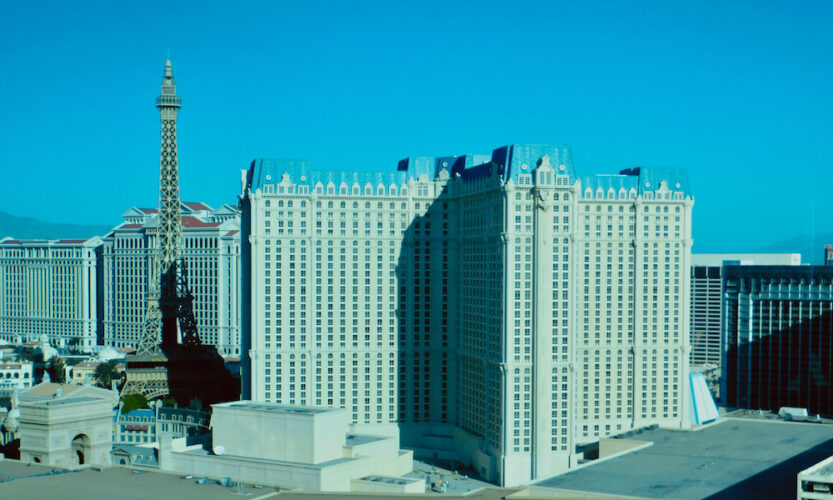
(641,179)
(518,159)
(650,178)
(269,171)
(507,161)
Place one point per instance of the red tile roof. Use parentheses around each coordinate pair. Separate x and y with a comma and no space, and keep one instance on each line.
(131,226)
(193,222)
(70,242)
(232,233)
(197,206)
(11,242)
(148,210)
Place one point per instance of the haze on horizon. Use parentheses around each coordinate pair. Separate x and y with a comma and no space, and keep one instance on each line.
(738,93)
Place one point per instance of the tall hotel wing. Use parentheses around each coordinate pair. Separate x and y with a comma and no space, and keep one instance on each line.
(498,310)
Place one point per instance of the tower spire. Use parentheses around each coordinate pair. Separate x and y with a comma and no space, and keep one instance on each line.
(170,222)
(168,83)
(169,232)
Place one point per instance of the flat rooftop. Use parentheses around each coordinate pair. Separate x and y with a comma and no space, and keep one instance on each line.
(733,458)
(356,440)
(66,401)
(321,465)
(17,480)
(278,408)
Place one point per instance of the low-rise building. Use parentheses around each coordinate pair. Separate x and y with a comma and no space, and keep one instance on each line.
(66,426)
(15,376)
(83,372)
(136,427)
(305,447)
(816,482)
(144,426)
(181,422)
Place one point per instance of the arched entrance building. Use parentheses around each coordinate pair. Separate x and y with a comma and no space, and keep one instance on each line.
(66,426)
(80,449)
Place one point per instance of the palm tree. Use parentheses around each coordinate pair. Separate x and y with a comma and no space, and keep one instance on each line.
(105,373)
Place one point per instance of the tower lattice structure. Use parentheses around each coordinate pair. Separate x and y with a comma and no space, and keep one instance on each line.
(169,298)
(169,232)
(186,370)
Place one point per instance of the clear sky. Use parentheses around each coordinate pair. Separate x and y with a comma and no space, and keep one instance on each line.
(739,93)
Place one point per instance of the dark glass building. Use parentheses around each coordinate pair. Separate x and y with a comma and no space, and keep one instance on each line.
(778,337)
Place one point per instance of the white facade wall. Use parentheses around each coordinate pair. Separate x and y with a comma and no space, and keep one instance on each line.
(211,249)
(287,446)
(324,298)
(50,289)
(632,336)
(557,312)
(328,477)
(296,434)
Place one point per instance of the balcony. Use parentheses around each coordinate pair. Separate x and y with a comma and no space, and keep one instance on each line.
(168,100)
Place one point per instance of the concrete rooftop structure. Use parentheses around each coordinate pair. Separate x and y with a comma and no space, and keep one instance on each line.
(733,458)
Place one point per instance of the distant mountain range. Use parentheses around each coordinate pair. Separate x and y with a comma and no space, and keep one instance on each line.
(810,246)
(26,227)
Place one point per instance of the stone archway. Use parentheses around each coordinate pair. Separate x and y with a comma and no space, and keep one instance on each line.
(80,450)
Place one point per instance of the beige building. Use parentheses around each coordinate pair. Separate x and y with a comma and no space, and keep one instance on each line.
(15,376)
(66,426)
(50,289)
(311,448)
(498,309)
(210,247)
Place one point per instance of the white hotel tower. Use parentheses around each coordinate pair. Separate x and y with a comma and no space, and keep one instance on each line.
(495,309)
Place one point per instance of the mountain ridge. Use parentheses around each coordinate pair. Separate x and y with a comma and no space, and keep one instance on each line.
(31,228)
(810,246)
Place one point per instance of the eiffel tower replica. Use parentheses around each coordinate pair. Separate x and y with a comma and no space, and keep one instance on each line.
(162,365)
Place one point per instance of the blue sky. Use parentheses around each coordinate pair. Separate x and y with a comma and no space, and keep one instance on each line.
(738,93)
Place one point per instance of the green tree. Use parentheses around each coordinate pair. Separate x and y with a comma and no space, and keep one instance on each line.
(55,369)
(28,354)
(133,402)
(105,373)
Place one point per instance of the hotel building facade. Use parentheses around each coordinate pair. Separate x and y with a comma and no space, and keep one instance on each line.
(211,249)
(50,290)
(778,338)
(495,309)
(707,298)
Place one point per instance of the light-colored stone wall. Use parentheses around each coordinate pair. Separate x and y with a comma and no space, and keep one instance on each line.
(307,438)
(50,289)
(48,428)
